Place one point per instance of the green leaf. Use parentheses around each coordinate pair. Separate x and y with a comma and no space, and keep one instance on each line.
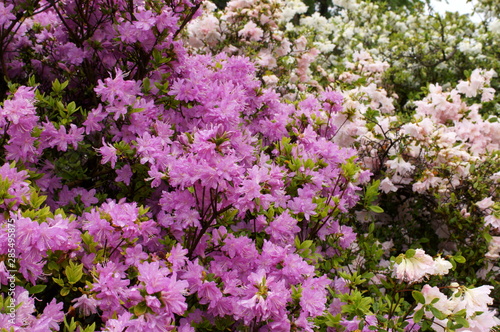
(459,259)
(58,281)
(74,272)
(410,253)
(135,110)
(462,321)
(306,244)
(418,296)
(37,289)
(376,208)
(436,300)
(372,192)
(64,291)
(146,85)
(349,168)
(90,328)
(56,86)
(332,321)
(367,275)
(71,108)
(140,309)
(418,315)
(438,314)
(71,327)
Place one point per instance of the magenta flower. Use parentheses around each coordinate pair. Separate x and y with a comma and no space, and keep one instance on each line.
(172,296)
(264,298)
(177,257)
(20,107)
(135,255)
(283,228)
(145,20)
(19,187)
(303,202)
(314,292)
(6,14)
(87,306)
(209,293)
(124,174)
(153,276)
(108,153)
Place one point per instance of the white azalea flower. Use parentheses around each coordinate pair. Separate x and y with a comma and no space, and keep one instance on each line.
(441,266)
(473,299)
(415,268)
(485,203)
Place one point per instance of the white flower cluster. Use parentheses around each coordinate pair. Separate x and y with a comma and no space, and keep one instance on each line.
(415,265)
(474,301)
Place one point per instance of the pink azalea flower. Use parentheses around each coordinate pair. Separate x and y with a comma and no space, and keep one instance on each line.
(314,292)
(124,174)
(6,14)
(108,153)
(283,228)
(135,255)
(87,306)
(303,202)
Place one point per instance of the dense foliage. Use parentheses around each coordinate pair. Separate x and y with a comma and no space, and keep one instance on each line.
(167,165)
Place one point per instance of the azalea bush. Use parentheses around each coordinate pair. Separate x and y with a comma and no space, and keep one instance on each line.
(171,166)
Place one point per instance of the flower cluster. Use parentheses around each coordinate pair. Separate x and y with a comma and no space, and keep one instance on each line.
(416,264)
(171,166)
(473,301)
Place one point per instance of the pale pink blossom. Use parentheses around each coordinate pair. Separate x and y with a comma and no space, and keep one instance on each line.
(473,299)
(492,220)
(495,177)
(482,323)
(270,80)
(493,248)
(204,29)
(266,59)
(400,166)
(487,95)
(441,266)
(477,83)
(386,186)
(485,203)
(284,48)
(300,44)
(251,31)
(414,269)
(412,130)
(443,304)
